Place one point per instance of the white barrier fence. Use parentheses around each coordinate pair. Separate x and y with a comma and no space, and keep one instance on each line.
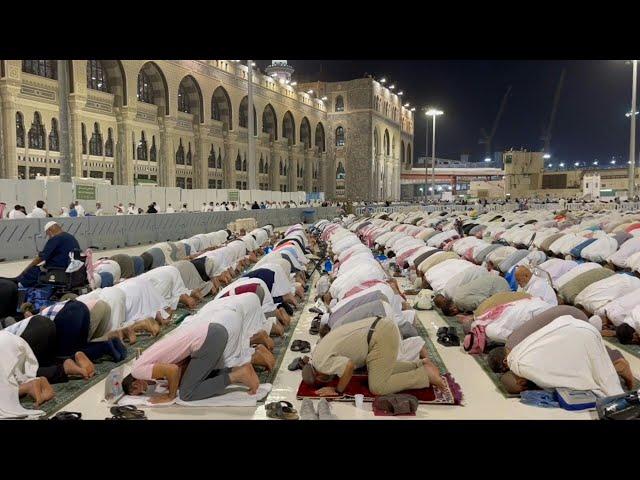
(57,195)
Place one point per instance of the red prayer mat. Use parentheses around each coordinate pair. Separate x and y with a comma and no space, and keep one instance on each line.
(452,395)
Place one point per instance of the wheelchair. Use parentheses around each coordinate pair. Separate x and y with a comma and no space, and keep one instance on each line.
(62,282)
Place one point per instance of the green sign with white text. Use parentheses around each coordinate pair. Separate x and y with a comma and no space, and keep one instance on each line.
(233,196)
(86,192)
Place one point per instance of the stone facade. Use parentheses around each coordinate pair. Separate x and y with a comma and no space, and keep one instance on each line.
(184,123)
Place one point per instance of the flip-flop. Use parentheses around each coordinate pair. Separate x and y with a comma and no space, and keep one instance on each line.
(296,345)
(281,410)
(305,347)
(449,340)
(315,326)
(67,416)
(297,364)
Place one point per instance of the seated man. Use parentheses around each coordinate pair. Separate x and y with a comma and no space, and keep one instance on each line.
(536,285)
(374,343)
(566,352)
(191,359)
(55,254)
(467,297)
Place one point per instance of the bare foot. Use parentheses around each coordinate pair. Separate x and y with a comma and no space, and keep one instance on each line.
(130,334)
(624,370)
(46,391)
(150,326)
(434,376)
(245,375)
(72,369)
(277,329)
(83,361)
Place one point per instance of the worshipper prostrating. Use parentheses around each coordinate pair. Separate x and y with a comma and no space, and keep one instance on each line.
(190,359)
(562,351)
(536,285)
(374,343)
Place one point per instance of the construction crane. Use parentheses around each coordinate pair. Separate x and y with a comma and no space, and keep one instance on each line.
(546,134)
(487,139)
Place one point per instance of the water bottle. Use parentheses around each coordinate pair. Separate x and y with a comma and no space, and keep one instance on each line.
(328,266)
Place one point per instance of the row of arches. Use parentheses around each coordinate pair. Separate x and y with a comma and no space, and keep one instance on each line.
(108,76)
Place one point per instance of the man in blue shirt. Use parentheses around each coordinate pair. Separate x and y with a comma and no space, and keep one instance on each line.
(55,254)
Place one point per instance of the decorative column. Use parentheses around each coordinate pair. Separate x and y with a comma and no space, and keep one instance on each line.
(9,165)
(200,168)
(123,154)
(308,171)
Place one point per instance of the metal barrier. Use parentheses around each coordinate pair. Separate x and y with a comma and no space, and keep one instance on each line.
(24,238)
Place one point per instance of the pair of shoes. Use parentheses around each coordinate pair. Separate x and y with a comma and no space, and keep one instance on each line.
(301,346)
(315,326)
(448,337)
(308,412)
(127,412)
(298,363)
(281,410)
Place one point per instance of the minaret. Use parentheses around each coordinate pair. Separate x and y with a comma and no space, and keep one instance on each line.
(280,70)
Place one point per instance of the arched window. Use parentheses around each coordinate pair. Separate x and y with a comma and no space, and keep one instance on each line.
(141,149)
(42,68)
(281,169)
(96,76)
(244,164)
(284,168)
(219,162)
(183,100)
(19,130)
(289,128)
(339,104)
(145,89)
(339,137)
(189,158)
(180,154)
(211,161)
(83,129)
(269,122)
(402,156)
(108,145)
(340,173)
(221,107)
(320,143)
(376,142)
(95,144)
(36,133)
(238,163)
(386,142)
(305,133)
(409,157)
(243,115)
(153,151)
(54,139)
(260,164)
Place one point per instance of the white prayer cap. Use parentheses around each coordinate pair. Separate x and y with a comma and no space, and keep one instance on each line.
(596,321)
(49,225)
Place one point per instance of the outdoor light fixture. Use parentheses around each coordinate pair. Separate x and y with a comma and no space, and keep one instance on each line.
(487,159)
(324,99)
(413,109)
(383,80)
(613,162)
(400,93)
(293,84)
(310,92)
(551,165)
(253,64)
(577,164)
(595,162)
(391,87)
(628,114)
(561,164)
(406,104)
(546,156)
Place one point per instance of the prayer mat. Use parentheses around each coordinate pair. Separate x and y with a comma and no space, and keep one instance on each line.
(481,359)
(451,395)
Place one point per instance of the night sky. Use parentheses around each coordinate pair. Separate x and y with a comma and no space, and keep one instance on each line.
(590,122)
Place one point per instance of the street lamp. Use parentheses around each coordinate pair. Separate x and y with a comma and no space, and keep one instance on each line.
(628,114)
(546,156)
(433,112)
(561,165)
(487,159)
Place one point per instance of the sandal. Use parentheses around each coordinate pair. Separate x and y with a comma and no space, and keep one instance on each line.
(282,410)
(315,326)
(298,363)
(67,416)
(449,340)
(127,412)
(296,345)
(305,347)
